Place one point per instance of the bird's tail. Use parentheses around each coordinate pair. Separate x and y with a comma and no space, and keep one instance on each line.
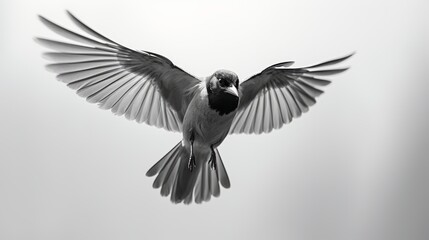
(175,178)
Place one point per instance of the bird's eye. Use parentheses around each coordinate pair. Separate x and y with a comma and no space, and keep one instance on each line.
(223,83)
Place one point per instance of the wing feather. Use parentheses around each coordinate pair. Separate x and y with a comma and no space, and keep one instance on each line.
(279,94)
(71,48)
(141,85)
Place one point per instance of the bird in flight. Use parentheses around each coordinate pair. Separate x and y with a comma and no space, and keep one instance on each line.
(148,87)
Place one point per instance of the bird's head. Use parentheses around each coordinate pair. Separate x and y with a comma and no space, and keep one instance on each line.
(222,89)
(223,81)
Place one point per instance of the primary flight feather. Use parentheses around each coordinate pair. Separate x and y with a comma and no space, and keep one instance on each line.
(147,87)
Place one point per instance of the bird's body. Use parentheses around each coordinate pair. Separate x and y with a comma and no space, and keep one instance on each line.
(208,125)
(204,129)
(147,87)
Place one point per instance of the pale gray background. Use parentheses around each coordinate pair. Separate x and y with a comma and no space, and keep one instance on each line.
(354,167)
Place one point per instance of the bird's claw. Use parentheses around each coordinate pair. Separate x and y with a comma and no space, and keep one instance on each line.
(191,163)
(212,161)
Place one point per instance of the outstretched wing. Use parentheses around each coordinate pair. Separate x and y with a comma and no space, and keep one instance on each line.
(278,94)
(141,85)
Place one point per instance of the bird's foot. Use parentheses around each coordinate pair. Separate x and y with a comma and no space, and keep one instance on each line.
(191,163)
(212,161)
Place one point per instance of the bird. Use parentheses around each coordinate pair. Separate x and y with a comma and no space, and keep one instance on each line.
(147,87)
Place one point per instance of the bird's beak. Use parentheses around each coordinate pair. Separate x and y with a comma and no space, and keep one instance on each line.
(232,90)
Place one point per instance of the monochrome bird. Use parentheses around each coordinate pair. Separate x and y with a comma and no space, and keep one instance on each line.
(147,87)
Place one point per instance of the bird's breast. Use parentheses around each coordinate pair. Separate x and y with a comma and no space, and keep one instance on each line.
(208,125)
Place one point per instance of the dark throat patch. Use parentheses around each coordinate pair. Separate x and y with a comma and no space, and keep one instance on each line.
(222,102)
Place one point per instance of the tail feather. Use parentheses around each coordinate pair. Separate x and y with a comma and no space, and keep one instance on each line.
(186,179)
(188,199)
(167,185)
(183,185)
(202,187)
(157,167)
(222,174)
(165,171)
(214,185)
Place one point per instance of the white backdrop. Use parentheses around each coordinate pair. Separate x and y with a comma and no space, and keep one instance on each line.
(353,167)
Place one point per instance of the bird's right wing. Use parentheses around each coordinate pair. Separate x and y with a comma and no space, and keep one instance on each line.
(141,85)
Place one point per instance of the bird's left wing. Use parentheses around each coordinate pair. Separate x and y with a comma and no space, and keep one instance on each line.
(141,85)
(278,94)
